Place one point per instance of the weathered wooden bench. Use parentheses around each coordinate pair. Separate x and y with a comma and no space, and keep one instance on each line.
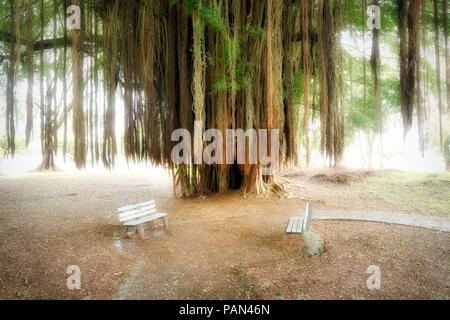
(300,225)
(136,215)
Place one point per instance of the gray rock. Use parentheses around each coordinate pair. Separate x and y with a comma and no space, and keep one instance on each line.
(314,242)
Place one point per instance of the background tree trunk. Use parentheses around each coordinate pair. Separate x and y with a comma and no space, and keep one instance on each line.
(438,70)
(447,54)
(30,72)
(306,64)
(11,82)
(77,74)
(375,65)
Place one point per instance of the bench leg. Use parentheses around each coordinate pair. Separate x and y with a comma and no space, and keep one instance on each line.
(166,224)
(125,230)
(140,229)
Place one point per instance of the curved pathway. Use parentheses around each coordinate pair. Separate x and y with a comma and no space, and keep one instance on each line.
(427,222)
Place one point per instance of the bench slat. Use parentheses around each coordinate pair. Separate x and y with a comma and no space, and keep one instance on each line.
(136,205)
(289,227)
(295,225)
(291,224)
(154,216)
(299,226)
(137,210)
(138,215)
(308,216)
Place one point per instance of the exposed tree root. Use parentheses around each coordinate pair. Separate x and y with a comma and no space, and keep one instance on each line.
(47,164)
(277,187)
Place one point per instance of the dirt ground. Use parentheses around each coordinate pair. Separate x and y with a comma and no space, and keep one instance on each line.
(222,246)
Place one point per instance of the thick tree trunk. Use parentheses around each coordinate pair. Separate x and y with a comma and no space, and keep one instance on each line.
(447,53)
(65,82)
(30,73)
(408,20)
(290,65)
(306,72)
(363,17)
(331,117)
(48,155)
(49,117)
(55,81)
(352,114)
(364,9)
(269,67)
(419,96)
(96,67)
(79,126)
(90,85)
(11,82)
(375,65)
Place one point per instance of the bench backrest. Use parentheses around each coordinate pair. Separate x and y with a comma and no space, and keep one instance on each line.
(307,219)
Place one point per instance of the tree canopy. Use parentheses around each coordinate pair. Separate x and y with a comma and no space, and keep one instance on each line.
(314,70)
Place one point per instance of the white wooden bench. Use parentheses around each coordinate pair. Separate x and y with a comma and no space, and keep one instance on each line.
(136,215)
(299,224)
(313,241)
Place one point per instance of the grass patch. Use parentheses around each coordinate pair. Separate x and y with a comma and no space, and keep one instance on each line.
(420,193)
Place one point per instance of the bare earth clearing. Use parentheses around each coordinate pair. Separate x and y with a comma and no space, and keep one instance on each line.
(220,247)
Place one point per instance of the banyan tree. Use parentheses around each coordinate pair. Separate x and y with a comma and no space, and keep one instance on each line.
(197,65)
(219,64)
(224,65)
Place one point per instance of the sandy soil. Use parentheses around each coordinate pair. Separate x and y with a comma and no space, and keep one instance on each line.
(220,247)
